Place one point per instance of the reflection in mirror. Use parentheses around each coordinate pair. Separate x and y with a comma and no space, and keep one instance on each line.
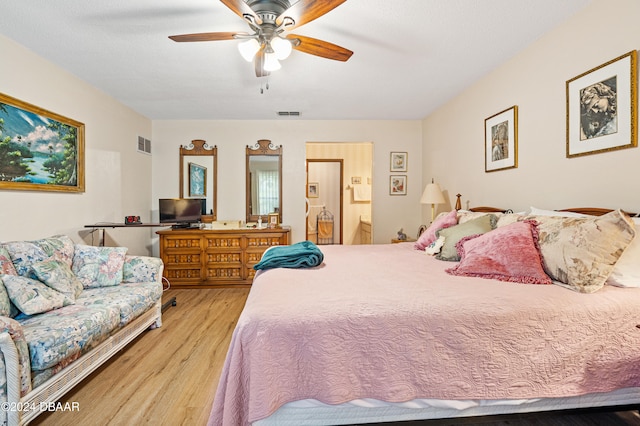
(264,181)
(198,174)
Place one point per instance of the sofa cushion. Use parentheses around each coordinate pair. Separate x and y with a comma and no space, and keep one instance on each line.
(30,296)
(5,302)
(26,253)
(6,265)
(132,299)
(139,269)
(58,275)
(98,266)
(57,335)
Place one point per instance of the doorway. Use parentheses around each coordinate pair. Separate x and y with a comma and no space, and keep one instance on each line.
(324,201)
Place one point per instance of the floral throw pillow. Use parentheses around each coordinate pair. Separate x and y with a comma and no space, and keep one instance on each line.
(26,253)
(6,265)
(429,236)
(580,253)
(98,266)
(5,303)
(31,296)
(58,275)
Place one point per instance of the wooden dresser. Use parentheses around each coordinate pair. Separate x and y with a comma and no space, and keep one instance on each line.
(201,258)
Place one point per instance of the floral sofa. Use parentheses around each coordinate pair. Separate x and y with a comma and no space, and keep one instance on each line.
(65,309)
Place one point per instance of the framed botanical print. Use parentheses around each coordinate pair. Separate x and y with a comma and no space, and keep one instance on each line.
(197,180)
(398,162)
(313,190)
(602,112)
(501,140)
(398,185)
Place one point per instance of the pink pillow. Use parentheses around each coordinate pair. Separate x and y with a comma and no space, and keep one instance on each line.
(509,253)
(429,236)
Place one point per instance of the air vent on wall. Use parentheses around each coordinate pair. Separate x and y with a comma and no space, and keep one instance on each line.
(288,113)
(144,145)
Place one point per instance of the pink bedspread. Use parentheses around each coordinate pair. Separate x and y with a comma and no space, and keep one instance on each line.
(386,322)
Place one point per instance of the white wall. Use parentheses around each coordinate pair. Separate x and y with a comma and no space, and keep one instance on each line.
(118,179)
(535,81)
(389,212)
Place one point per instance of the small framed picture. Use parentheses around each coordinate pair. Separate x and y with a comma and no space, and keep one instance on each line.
(197,180)
(398,162)
(356,180)
(274,220)
(602,111)
(312,190)
(501,140)
(398,185)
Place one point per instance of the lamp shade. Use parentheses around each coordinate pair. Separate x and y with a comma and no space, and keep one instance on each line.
(432,194)
(248,49)
(281,47)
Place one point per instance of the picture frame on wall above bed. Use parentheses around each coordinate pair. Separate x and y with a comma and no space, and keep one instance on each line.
(602,113)
(39,149)
(501,140)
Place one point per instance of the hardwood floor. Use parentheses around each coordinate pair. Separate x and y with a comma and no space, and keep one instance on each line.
(168,376)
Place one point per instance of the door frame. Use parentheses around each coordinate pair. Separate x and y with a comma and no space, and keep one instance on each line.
(341,191)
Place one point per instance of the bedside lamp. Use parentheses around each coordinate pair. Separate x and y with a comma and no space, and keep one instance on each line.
(432,195)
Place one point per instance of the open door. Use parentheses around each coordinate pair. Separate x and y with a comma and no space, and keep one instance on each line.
(324,201)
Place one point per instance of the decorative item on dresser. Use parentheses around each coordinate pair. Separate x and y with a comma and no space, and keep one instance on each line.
(202,258)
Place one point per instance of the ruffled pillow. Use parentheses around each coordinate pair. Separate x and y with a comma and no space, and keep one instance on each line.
(429,236)
(626,272)
(6,265)
(509,253)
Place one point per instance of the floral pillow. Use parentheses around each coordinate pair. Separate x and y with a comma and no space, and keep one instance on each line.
(26,253)
(5,303)
(453,234)
(98,266)
(509,253)
(429,236)
(6,265)
(58,275)
(580,253)
(31,296)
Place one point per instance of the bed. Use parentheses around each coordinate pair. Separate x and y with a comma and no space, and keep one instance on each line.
(386,332)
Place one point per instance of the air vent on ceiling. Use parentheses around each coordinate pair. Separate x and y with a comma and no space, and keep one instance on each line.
(289,113)
(144,145)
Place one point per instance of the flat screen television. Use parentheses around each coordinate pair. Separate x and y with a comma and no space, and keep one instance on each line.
(181,211)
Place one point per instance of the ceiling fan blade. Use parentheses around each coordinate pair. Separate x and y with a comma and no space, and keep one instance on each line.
(316,47)
(306,11)
(206,36)
(240,8)
(258,62)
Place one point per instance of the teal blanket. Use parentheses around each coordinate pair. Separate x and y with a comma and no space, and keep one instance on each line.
(299,255)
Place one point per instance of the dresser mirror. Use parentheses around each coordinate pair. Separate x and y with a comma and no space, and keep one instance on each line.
(264,181)
(198,175)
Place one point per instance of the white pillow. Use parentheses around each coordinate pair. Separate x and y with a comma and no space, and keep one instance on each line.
(626,272)
(541,212)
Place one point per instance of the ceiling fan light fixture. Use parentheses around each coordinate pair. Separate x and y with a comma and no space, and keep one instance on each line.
(281,47)
(248,49)
(271,62)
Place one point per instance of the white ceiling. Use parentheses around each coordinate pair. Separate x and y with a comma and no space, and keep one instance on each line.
(410,56)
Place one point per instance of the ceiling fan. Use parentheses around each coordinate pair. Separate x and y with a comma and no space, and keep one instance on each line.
(270,21)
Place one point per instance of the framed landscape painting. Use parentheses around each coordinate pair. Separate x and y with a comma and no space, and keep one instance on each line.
(602,111)
(39,150)
(501,140)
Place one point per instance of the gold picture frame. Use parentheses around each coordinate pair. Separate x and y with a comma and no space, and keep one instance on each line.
(602,108)
(39,150)
(501,140)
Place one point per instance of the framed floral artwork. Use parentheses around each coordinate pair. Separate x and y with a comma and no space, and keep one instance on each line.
(398,162)
(501,140)
(398,185)
(602,111)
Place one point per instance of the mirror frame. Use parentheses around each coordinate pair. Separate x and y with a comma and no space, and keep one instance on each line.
(200,147)
(263,147)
